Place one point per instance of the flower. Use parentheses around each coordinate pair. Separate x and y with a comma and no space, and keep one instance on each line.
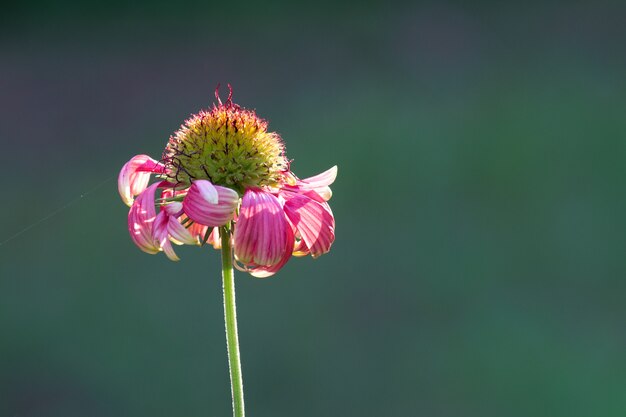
(224,168)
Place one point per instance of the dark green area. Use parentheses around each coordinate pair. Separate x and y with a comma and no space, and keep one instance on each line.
(479,267)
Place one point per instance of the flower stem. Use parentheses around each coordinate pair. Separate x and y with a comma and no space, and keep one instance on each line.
(230,318)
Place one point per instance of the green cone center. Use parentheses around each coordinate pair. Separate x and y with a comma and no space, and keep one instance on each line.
(228,146)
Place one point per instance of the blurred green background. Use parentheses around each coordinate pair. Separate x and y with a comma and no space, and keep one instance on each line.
(480,256)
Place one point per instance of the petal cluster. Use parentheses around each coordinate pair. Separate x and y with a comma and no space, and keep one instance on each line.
(270,224)
(273,225)
(192,221)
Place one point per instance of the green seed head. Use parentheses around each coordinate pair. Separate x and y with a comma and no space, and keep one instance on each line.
(229,146)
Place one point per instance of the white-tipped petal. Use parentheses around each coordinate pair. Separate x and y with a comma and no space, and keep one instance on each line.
(214,213)
(319,184)
(323,179)
(207,191)
(134,176)
(178,232)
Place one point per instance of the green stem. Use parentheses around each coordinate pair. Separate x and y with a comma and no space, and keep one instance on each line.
(230,318)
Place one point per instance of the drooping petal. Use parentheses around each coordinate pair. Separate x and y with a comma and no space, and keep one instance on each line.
(200,205)
(141,221)
(312,219)
(161,235)
(262,232)
(134,176)
(319,183)
(169,251)
(178,232)
(207,191)
(267,271)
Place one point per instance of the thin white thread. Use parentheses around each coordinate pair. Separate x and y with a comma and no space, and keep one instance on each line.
(55,212)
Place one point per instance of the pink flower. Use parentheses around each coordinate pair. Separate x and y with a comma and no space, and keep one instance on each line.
(223,168)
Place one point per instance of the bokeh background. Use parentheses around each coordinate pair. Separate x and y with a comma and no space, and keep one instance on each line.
(479,267)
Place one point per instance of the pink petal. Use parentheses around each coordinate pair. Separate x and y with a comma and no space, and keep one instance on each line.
(268,271)
(313,220)
(318,183)
(141,219)
(324,179)
(161,235)
(262,233)
(198,232)
(207,191)
(200,206)
(170,190)
(134,176)
(152,166)
(174,209)
(214,239)
(169,251)
(300,248)
(324,192)
(178,232)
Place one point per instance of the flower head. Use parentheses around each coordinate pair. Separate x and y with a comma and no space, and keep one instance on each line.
(228,146)
(224,168)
